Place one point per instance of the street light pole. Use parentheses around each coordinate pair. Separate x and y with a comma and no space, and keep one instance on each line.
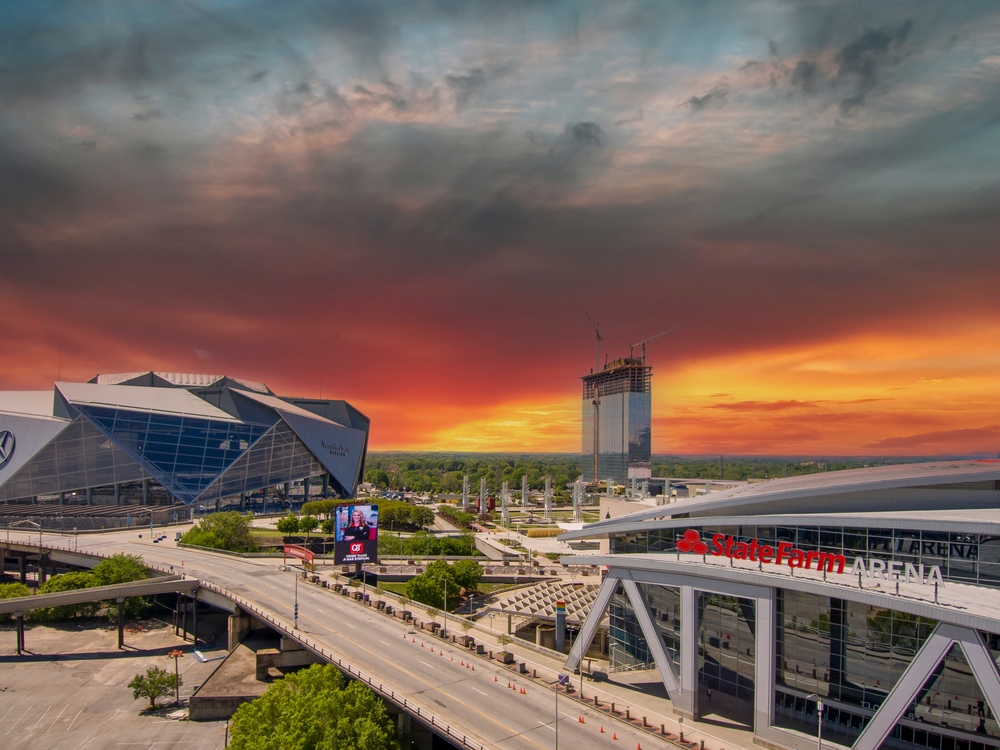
(296,599)
(445,607)
(819,719)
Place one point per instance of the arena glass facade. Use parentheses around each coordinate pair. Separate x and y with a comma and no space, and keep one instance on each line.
(197,438)
(898,632)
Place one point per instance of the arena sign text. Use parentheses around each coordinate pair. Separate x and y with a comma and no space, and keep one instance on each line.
(786,553)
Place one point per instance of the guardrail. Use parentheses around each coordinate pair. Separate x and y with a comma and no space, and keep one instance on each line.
(357,674)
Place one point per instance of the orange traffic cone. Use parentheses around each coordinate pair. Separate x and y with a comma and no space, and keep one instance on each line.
(614,736)
(494,678)
(581,719)
(508,683)
(404,635)
(602,729)
(638,746)
(421,644)
(473,667)
(432,649)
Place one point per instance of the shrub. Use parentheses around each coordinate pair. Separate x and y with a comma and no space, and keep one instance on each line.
(543,533)
(11,591)
(228,531)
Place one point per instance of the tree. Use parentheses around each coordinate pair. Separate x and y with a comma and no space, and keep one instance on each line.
(288,525)
(11,591)
(307,524)
(504,640)
(328,526)
(314,709)
(153,684)
(229,531)
(123,568)
(65,582)
(467,574)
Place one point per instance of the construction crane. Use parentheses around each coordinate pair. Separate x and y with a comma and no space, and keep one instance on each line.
(646,341)
(597,330)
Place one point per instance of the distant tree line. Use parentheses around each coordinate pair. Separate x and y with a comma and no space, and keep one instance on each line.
(442,472)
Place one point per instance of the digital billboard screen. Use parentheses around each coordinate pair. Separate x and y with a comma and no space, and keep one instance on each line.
(356,539)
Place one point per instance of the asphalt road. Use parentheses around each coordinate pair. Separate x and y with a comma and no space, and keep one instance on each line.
(471,701)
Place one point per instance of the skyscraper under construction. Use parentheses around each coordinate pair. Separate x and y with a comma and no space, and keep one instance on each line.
(617,411)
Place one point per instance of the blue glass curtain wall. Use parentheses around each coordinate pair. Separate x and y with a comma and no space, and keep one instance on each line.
(185,454)
(80,456)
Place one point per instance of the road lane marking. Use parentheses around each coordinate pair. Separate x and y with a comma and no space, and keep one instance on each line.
(349,625)
(40,718)
(423,662)
(74,719)
(479,691)
(56,719)
(19,720)
(385,642)
(547,726)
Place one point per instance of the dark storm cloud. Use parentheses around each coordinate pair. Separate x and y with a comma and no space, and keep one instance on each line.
(863,60)
(149,114)
(807,76)
(637,117)
(587,133)
(466,86)
(715,98)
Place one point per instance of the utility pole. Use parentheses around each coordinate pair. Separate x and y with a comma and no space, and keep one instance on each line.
(548,498)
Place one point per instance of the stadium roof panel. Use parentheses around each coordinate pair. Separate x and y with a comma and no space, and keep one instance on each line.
(753,500)
(162,400)
(28,404)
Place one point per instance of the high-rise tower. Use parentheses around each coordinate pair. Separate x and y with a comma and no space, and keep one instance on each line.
(617,410)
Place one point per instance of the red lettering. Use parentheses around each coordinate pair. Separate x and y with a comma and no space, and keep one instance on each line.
(740,550)
(357,548)
(783,549)
(796,558)
(767,553)
(810,556)
(753,550)
(729,546)
(829,560)
(717,548)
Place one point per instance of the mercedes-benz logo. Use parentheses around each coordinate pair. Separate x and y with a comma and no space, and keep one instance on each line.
(6,446)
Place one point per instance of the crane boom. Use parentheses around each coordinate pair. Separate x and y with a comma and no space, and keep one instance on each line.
(597,330)
(646,341)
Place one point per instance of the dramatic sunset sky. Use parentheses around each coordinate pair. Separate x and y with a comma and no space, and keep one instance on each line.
(413,204)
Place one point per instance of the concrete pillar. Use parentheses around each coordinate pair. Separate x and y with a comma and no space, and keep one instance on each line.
(90,496)
(41,571)
(305,490)
(22,567)
(561,626)
(19,616)
(118,494)
(764,672)
(145,492)
(326,485)
(288,490)
(194,622)
(688,703)
(121,622)
(62,499)
(243,502)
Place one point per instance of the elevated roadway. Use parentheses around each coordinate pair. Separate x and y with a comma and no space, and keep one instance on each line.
(476,704)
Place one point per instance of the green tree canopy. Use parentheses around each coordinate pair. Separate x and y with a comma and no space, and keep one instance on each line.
(11,591)
(153,684)
(120,568)
(308,523)
(288,525)
(58,584)
(229,531)
(312,709)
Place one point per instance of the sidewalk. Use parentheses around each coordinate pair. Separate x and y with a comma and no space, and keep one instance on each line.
(717,732)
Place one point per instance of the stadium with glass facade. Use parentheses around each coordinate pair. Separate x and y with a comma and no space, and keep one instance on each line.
(157,437)
(876,591)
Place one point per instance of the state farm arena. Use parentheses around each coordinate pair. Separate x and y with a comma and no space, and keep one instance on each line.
(128,448)
(875,591)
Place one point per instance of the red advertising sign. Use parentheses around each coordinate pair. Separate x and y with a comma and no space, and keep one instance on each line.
(294,550)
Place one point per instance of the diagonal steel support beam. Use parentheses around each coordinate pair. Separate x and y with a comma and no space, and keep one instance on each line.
(597,611)
(908,688)
(983,666)
(653,639)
